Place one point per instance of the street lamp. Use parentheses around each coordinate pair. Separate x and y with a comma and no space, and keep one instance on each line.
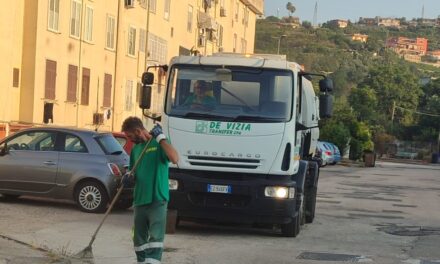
(279,42)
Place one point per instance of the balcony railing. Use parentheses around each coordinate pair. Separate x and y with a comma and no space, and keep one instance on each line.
(256,6)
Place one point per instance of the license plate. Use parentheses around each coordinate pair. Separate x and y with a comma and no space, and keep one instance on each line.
(219,188)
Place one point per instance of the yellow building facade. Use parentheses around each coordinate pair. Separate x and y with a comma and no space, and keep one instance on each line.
(78,63)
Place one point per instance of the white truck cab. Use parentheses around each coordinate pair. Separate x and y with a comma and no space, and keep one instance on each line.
(246,128)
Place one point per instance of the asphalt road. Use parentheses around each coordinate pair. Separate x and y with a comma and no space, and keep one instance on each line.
(387,214)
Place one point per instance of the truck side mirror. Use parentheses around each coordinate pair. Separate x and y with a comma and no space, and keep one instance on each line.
(326,85)
(147,78)
(325,105)
(145,100)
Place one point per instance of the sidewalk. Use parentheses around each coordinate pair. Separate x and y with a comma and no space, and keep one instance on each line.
(12,252)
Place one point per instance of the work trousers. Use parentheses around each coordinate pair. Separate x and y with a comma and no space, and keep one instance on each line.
(149,232)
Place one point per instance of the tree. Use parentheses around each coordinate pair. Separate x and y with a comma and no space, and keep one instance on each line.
(291,8)
(307,24)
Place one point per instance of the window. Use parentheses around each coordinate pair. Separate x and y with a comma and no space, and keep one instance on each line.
(110,32)
(220,36)
(50,81)
(252,95)
(89,24)
(107,90)
(109,144)
(33,141)
(142,39)
(158,49)
(15,77)
(166,14)
(131,41)
(129,95)
(72,81)
(243,45)
(75,18)
(85,90)
(153,6)
(237,9)
(189,24)
(54,15)
(244,15)
(234,44)
(74,144)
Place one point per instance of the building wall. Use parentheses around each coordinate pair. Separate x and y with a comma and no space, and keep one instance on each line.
(11,34)
(28,43)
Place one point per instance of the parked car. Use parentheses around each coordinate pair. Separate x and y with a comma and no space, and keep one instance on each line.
(64,163)
(336,153)
(125,142)
(325,152)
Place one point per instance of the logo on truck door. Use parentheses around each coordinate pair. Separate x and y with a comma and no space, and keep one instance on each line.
(222,128)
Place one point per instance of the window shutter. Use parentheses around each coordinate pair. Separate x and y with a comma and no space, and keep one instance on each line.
(51,74)
(107,90)
(72,80)
(85,86)
(16,77)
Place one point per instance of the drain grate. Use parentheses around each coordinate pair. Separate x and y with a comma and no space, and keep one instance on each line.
(320,256)
(409,230)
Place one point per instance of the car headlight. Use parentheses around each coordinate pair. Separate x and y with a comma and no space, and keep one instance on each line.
(173,184)
(279,192)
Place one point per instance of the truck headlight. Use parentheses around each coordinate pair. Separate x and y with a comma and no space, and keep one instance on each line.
(173,184)
(279,192)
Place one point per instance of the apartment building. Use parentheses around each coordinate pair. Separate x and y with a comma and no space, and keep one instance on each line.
(359,37)
(407,46)
(340,23)
(78,62)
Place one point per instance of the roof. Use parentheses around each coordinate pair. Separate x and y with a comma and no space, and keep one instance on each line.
(270,61)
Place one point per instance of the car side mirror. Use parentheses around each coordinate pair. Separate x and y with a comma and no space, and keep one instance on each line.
(326,85)
(145,100)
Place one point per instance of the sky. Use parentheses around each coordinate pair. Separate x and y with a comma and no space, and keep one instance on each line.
(353,9)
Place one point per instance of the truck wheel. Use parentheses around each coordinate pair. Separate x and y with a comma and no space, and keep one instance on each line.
(311,205)
(291,229)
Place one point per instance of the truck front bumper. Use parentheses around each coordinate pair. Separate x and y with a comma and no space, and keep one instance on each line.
(246,203)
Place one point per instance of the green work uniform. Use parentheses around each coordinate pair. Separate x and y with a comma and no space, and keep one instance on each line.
(207,101)
(151,195)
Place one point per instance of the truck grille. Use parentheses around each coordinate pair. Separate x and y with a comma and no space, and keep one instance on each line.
(224,162)
(219,200)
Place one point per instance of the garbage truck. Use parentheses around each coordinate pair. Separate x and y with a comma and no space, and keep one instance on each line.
(246,128)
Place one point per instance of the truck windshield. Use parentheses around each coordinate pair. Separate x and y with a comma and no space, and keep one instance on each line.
(252,95)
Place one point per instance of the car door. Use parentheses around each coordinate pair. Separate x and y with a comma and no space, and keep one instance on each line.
(30,163)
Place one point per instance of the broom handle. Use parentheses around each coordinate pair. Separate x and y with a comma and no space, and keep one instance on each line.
(136,164)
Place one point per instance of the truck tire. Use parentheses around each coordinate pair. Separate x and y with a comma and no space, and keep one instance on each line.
(311,193)
(292,229)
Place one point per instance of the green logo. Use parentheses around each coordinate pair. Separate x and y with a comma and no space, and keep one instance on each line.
(202,127)
(220,128)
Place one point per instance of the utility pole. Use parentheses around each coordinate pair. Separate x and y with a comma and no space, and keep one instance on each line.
(315,16)
(279,43)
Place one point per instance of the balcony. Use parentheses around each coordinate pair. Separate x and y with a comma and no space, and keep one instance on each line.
(257,6)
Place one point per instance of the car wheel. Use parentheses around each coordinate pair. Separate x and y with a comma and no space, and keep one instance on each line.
(91,197)
(124,203)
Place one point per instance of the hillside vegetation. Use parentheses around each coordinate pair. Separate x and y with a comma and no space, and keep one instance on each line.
(378,96)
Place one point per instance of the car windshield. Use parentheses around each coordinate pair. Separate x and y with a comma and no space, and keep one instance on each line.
(109,144)
(252,95)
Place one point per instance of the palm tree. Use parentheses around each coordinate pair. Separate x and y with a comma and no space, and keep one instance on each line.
(291,8)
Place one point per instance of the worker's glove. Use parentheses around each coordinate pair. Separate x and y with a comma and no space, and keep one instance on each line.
(157,133)
(127,180)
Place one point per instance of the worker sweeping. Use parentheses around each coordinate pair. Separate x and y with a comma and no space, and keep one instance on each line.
(151,193)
